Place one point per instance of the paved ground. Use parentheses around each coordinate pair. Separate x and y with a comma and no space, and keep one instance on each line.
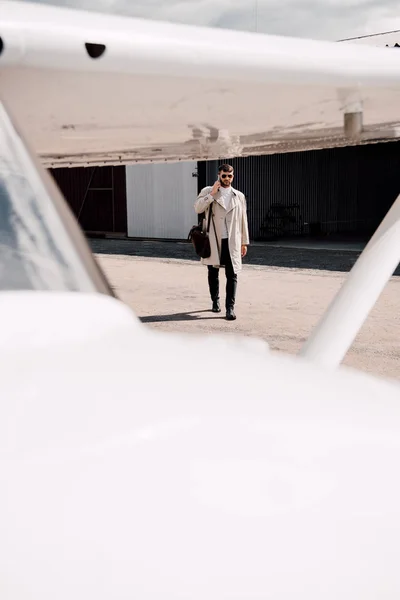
(281,295)
(268,255)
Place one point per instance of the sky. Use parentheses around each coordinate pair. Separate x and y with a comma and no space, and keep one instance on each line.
(317,19)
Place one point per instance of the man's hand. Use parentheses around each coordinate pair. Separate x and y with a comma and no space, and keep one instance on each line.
(244,251)
(215,189)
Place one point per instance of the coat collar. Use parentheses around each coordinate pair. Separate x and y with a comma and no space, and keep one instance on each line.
(234,199)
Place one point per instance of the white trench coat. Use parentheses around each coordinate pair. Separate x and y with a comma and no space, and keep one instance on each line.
(236,220)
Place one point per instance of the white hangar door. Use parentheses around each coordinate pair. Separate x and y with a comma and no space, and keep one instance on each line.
(160,200)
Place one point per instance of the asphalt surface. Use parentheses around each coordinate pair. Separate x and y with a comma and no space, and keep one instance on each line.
(266,255)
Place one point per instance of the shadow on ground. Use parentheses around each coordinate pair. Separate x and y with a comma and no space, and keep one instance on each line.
(262,255)
(188,316)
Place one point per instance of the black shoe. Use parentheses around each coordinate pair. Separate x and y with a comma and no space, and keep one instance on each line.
(216,307)
(230,315)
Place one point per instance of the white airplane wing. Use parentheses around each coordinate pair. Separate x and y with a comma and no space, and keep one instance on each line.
(128,470)
(97,89)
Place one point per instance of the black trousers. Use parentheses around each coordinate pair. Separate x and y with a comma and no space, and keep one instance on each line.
(231,278)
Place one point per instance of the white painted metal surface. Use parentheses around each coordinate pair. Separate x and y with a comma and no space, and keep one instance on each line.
(160,199)
(120,478)
(340,324)
(378,40)
(278,483)
(165,91)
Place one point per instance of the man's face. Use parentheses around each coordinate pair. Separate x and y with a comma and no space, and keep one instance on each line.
(226,178)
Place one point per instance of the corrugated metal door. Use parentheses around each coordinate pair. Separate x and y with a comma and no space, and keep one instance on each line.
(160,200)
(345,191)
(97,196)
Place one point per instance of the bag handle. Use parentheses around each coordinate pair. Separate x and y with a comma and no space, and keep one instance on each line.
(210,211)
(216,239)
(209,216)
(215,231)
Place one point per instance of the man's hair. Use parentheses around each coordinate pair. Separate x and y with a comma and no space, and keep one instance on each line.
(226,168)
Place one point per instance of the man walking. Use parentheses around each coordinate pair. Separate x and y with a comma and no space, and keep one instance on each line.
(229,235)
